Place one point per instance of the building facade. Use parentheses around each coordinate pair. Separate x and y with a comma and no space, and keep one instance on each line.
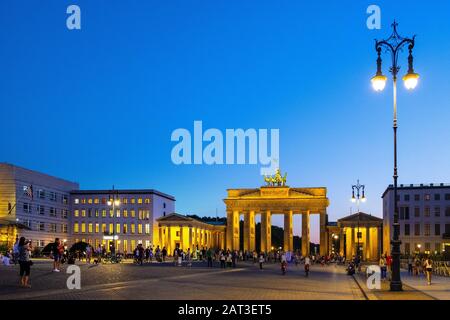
(37,201)
(41,208)
(128,217)
(424,218)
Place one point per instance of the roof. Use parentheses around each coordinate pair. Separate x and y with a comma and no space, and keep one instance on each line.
(417,187)
(360,217)
(124,191)
(179,217)
(8,222)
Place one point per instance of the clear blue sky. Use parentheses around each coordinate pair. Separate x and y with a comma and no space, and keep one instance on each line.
(98,105)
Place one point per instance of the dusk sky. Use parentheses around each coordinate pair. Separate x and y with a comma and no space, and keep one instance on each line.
(98,105)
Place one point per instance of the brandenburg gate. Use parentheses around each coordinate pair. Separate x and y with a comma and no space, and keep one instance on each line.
(275,198)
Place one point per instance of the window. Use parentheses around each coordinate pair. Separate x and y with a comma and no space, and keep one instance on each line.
(52,212)
(133,213)
(41,194)
(427,197)
(125,228)
(140,214)
(125,213)
(83,227)
(97,228)
(111,228)
(417,212)
(124,200)
(90,229)
(133,228)
(90,213)
(407,248)
(164,205)
(103,200)
(76,201)
(147,228)
(41,226)
(96,201)
(103,227)
(406,197)
(83,200)
(427,212)
(427,247)
(437,211)
(447,196)
(104,213)
(64,213)
(447,211)
(117,227)
(90,200)
(41,209)
(427,230)
(437,229)
(407,229)
(76,213)
(53,227)
(437,247)
(417,197)
(40,243)
(132,200)
(111,213)
(96,213)
(65,199)
(52,196)
(118,213)
(64,228)
(139,200)
(417,229)
(447,228)
(27,207)
(139,228)
(75,227)
(147,200)
(83,213)
(437,196)
(404,213)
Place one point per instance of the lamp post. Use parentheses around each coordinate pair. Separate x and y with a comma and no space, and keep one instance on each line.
(393,45)
(360,196)
(113,202)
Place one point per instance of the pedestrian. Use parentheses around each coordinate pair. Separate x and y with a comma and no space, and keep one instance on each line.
(222,259)
(307,263)
(164,254)
(382,264)
(209,257)
(15,255)
(229,259)
(428,266)
(261,261)
(88,254)
(410,265)
(25,263)
(56,255)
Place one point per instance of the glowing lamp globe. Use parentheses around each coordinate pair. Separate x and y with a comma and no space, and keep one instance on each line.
(379,82)
(411,79)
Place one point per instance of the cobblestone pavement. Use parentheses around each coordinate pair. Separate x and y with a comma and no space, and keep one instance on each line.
(157,281)
(439,288)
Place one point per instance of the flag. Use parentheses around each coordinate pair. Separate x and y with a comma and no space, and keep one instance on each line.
(28,190)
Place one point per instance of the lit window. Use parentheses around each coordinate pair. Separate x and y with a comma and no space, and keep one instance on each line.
(83,213)
(125,213)
(83,200)
(111,228)
(118,213)
(133,213)
(103,227)
(90,230)
(96,201)
(139,200)
(139,228)
(117,227)
(83,227)
(111,213)
(75,227)
(97,228)
(133,228)
(132,200)
(90,200)
(104,213)
(124,200)
(125,228)
(147,228)
(147,200)
(96,213)
(76,201)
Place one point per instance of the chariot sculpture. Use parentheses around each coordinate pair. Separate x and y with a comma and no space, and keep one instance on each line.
(276,180)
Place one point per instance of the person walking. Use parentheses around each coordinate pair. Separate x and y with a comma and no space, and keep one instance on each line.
(209,257)
(428,266)
(164,254)
(307,263)
(88,254)
(56,255)
(410,265)
(25,263)
(222,259)
(382,264)
(261,261)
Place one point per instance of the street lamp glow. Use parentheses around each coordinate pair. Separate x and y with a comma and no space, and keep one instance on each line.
(109,202)
(117,202)
(411,80)
(353,199)
(379,82)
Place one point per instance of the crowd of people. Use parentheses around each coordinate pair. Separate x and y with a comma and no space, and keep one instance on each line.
(21,254)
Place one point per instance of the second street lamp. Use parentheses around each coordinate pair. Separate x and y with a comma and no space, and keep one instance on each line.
(394,45)
(360,196)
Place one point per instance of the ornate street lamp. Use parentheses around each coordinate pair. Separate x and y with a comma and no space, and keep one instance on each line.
(394,45)
(113,201)
(360,197)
